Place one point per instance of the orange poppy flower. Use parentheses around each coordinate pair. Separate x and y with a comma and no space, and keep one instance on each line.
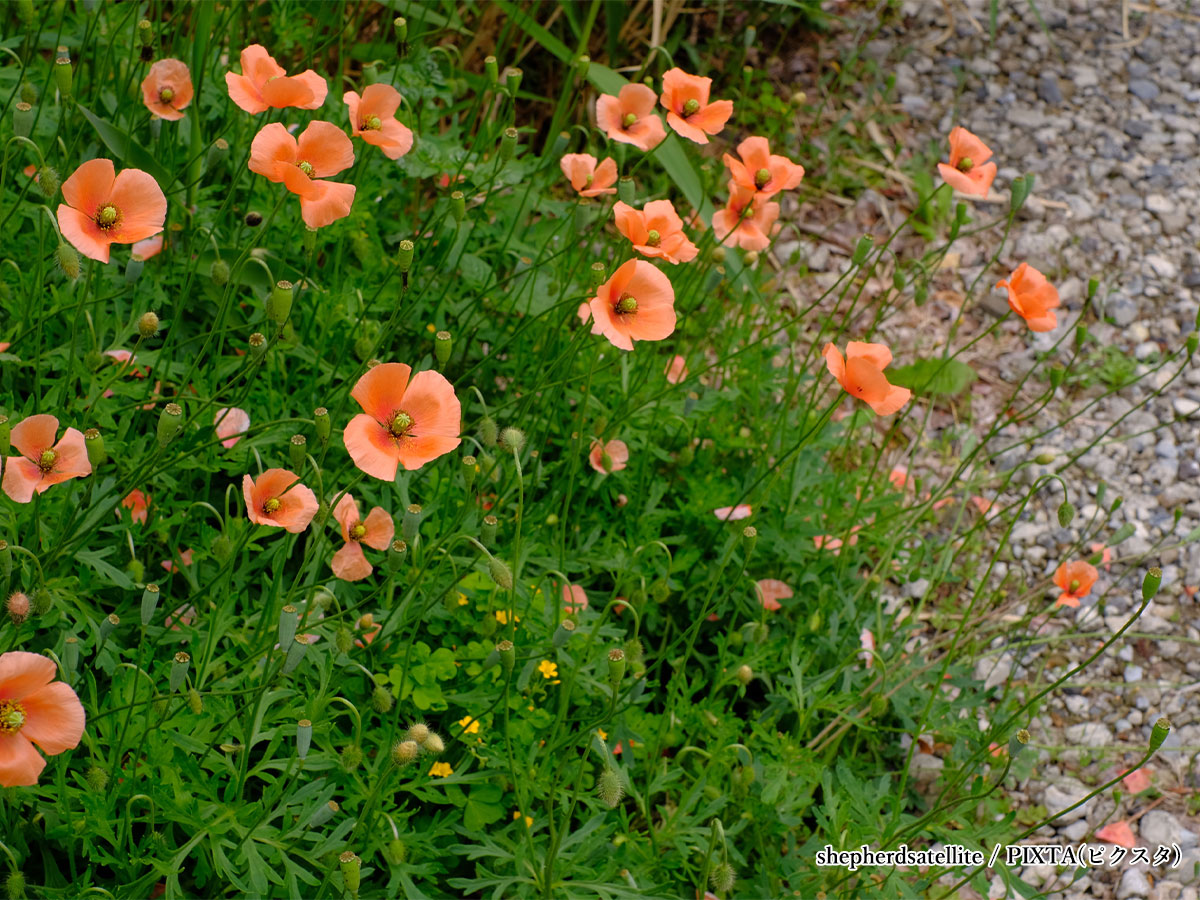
(676,370)
(34,709)
(636,304)
(1076,580)
(264,84)
(323,150)
(629,117)
(574,598)
(861,374)
(105,208)
(1032,297)
(734,513)
(609,457)
(231,423)
(968,170)
(745,222)
(866,640)
(43,462)
(1105,555)
(151,246)
(685,97)
(588,178)
(278,499)
(350,563)
(829,542)
(655,230)
(138,504)
(760,171)
(185,557)
(770,591)
(373,118)
(167,89)
(407,420)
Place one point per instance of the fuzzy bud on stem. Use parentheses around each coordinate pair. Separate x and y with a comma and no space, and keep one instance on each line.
(501,574)
(148,325)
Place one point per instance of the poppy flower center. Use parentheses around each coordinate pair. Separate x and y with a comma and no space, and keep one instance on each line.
(691,107)
(12,716)
(271,506)
(627,304)
(166,95)
(306,167)
(108,216)
(401,422)
(371,123)
(966,164)
(630,120)
(358,532)
(47,459)
(762,177)
(590,179)
(1074,586)
(653,238)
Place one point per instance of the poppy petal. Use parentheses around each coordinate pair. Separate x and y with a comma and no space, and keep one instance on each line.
(381,388)
(90,185)
(371,447)
(271,147)
(142,204)
(34,434)
(350,563)
(20,763)
(331,202)
(380,529)
(244,94)
(54,718)
(23,673)
(326,148)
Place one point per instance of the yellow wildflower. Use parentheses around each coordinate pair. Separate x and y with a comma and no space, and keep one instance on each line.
(441,769)
(548,669)
(469,725)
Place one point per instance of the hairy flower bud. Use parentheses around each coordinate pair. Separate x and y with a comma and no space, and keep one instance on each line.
(501,573)
(18,607)
(512,440)
(67,259)
(148,325)
(405,752)
(610,787)
(381,699)
(488,432)
(219,272)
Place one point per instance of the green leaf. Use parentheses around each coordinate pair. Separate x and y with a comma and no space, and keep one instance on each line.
(940,377)
(126,149)
(484,806)
(94,559)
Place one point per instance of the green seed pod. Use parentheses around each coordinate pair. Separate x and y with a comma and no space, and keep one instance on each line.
(23,119)
(64,76)
(410,523)
(401,26)
(351,867)
(626,190)
(862,249)
(559,147)
(616,666)
(94,443)
(1193,341)
(1151,583)
(5,435)
(150,598)
(610,787)
(323,424)
(1022,187)
(279,303)
(170,424)
(508,654)
(303,738)
(258,345)
(295,653)
(597,274)
(324,813)
(108,625)
(563,632)
(404,256)
(508,144)
(501,574)
(6,561)
(133,269)
(216,154)
(289,620)
(1081,335)
(442,344)
(749,539)
(297,451)
(1066,512)
(512,80)
(1159,733)
(70,656)
(487,531)
(470,468)
(458,206)
(179,670)
(396,554)
(1093,285)
(491,68)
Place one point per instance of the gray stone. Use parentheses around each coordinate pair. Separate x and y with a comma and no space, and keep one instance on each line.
(1133,884)
(1143,89)
(1089,734)
(1063,795)
(1049,90)
(1133,674)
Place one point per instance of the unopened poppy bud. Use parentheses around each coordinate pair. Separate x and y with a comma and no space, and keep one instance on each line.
(750,258)
(297,450)
(219,272)
(405,752)
(1045,457)
(381,699)
(25,11)
(68,260)
(616,666)
(626,189)
(323,814)
(94,444)
(279,304)
(442,345)
(42,600)
(434,745)
(512,80)
(1057,376)
(108,625)
(23,119)
(258,345)
(512,440)
(18,607)
(47,181)
(404,256)
(28,93)
(343,640)
(1151,583)
(1081,335)
(610,787)
(350,757)
(351,867)
(96,778)
(563,632)
(396,851)
(722,877)
(222,548)
(744,674)
(63,76)
(488,431)
(501,574)
(458,206)
(303,737)
(194,701)
(148,325)
(419,732)
(1066,512)
(150,597)
(410,523)
(1193,341)
(170,423)
(396,554)
(1159,733)
(289,619)
(487,531)
(508,654)
(508,143)
(179,670)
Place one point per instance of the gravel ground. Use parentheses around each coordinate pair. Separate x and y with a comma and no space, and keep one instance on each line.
(1108,121)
